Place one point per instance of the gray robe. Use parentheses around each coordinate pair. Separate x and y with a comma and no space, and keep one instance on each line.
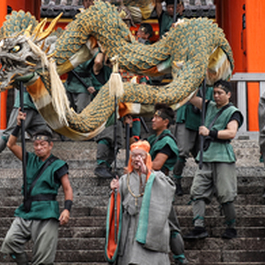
(154,250)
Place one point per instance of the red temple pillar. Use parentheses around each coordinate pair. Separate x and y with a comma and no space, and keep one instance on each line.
(243,23)
(3,95)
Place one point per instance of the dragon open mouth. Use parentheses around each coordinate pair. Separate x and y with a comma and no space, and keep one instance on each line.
(11,69)
(8,65)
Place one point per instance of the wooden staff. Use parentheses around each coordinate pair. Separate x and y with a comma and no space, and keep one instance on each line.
(202,122)
(175,11)
(23,145)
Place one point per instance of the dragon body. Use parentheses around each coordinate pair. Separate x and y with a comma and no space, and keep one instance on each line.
(193,50)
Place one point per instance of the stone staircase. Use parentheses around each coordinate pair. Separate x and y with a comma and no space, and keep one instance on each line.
(82,240)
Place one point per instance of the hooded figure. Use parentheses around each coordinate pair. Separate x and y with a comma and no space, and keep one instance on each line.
(140,228)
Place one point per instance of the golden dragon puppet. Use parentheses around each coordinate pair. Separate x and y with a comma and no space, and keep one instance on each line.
(192,51)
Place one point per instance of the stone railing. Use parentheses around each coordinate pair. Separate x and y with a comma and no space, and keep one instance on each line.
(242,80)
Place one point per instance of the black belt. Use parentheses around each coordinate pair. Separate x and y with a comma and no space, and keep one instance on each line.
(222,141)
(43,197)
(208,140)
(165,171)
(71,75)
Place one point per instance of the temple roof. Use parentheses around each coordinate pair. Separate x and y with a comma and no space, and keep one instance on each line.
(193,8)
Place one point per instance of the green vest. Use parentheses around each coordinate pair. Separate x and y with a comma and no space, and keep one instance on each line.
(157,145)
(187,115)
(136,128)
(45,185)
(28,103)
(74,85)
(165,23)
(217,151)
(95,83)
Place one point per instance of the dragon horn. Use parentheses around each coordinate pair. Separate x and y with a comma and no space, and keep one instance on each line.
(42,45)
(48,31)
(51,55)
(28,30)
(48,48)
(39,28)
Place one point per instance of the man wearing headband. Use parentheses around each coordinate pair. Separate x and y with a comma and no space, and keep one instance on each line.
(165,18)
(145,195)
(218,173)
(144,32)
(164,150)
(38,217)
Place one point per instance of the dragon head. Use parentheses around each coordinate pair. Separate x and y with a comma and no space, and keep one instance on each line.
(21,48)
(17,60)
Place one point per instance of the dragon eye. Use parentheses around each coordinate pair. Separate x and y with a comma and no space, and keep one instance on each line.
(15,49)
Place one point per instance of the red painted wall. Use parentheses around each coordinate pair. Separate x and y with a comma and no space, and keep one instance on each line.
(247,41)
(255,58)
(255,29)
(229,18)
(33,6)
(16,5)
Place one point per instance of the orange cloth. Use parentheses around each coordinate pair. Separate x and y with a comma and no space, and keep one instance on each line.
(144,145)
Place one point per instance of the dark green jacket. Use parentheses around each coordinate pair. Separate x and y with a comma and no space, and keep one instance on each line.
(165,23)
(73,85)
(46,184)
(157,145)
(28,103)
(219,151)
(191,116)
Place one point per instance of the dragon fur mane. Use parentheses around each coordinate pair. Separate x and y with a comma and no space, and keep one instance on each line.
(193,50)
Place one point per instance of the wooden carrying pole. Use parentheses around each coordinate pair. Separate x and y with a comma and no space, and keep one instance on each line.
(23,142)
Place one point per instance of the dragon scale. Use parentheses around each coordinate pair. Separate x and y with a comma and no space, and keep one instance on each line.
(186,51)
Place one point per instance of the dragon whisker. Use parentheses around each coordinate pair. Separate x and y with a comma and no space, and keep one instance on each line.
(31,64)
(47,50)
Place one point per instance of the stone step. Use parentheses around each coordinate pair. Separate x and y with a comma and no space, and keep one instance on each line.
(9,161)
(195,256)
(72,256)
(84,182)
(225,256)
(226,263)
(212,244)
(242,211)
(105,263)
(98,196)
(99,231)
(93,217)
(247,153)
(72,232)
(78,263)
(190,263)
(95,226)
(82,240)
(251,222)
(216,231)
